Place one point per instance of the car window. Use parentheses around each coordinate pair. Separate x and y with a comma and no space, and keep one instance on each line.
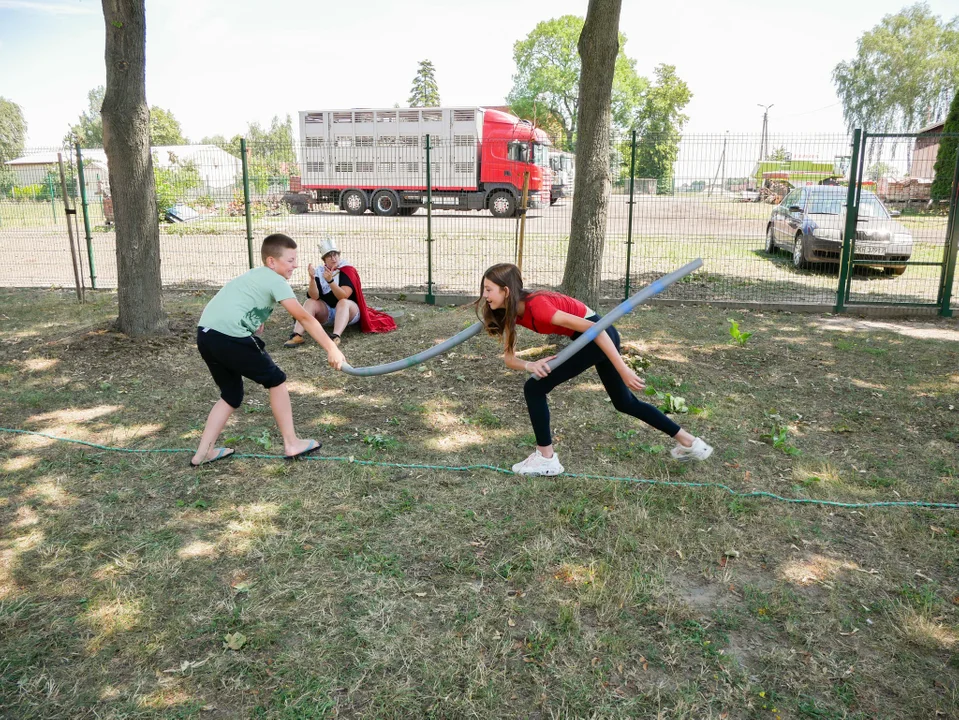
(791,199)
(826,203)
(869,206)
(835,203)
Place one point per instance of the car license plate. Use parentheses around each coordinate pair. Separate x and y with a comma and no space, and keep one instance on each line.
(870,249)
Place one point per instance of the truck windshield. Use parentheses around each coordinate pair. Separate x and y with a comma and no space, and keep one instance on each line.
(541,154)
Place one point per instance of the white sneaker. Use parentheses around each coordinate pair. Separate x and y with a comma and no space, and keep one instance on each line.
(538,464)
(698,451)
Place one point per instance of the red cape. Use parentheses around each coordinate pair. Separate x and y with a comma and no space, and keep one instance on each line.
(371,321)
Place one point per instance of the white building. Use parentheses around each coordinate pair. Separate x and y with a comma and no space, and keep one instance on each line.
(217,168)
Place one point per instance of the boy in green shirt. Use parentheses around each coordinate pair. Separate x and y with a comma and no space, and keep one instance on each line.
(227,338)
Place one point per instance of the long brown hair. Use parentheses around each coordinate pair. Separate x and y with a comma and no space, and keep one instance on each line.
(502,321)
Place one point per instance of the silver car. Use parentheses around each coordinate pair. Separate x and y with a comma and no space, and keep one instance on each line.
(811,220)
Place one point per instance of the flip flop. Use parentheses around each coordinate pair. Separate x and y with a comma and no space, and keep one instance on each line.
(312,448)
(221,454)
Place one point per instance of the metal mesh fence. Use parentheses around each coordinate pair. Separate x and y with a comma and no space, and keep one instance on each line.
(722,198)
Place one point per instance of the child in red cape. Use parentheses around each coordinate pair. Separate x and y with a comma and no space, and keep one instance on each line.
(336,298)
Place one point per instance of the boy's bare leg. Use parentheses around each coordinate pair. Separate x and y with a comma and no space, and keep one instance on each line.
(346,310)
(283,413)
(215,423)
(318,309)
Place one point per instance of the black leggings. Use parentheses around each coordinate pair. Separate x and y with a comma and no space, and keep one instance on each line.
(536,390)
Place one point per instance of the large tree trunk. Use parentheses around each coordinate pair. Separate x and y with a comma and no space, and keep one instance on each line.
(598,47)
(126,139)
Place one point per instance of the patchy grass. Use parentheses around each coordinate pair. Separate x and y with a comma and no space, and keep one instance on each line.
(133,586)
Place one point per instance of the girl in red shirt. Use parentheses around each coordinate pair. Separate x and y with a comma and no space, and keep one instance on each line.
(504,304)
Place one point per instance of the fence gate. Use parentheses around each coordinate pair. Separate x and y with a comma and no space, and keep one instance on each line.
(900,235)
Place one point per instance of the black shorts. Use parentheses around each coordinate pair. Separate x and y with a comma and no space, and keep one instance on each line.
(231,359)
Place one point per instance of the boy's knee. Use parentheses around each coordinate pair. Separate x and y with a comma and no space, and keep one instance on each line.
(274,378)
(233,397)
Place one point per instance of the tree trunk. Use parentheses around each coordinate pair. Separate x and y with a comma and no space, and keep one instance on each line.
(126,140)
(598,47)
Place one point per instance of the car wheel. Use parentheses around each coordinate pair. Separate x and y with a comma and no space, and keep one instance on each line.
(502,204)
(386,203)
(354,202)
(799,253)
(771,241)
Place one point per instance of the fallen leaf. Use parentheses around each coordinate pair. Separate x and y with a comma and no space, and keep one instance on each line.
(234,641)
(511,622)
(420,594)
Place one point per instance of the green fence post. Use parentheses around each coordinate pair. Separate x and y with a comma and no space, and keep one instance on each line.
(86,218)
(952,246)
(430,298)
(246,202)
(852,218)
(629,222)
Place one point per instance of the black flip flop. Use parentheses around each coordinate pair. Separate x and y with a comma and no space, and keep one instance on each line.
(221,455)
(311,449)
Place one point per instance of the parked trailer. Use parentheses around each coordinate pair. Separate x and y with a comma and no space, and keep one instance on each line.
(563,165)
(375,160)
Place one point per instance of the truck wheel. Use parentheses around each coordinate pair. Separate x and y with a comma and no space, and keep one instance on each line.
(502,204)
(354,202)
(386,203)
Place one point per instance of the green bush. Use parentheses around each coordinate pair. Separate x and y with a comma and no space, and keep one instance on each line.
(30,192)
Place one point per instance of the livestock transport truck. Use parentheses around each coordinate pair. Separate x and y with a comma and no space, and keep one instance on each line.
(370,159)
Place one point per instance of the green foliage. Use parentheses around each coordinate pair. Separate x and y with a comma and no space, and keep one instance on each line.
(272,154)
(172,183)
(425,92)
(667,402)
(946,158)
(51,183)
(659,124)
(8,181)
(905,72)
(231,146)
(877,171)
(89,130)
(13,130)
(380,442)
(165,129)
(30,192)
(547,77)
(780,154)
(736,334)
(779,438)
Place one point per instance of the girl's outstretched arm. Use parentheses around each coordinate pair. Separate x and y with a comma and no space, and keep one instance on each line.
(537,367)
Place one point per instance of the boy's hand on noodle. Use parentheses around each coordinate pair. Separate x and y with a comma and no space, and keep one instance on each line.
(632,380)
(335,358)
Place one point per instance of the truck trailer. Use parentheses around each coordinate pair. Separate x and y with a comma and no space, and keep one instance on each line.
(375,159)
(563,165)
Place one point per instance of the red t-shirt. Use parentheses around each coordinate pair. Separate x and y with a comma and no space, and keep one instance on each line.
(540,308)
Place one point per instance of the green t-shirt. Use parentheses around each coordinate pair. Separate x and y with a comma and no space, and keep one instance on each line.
(246,302)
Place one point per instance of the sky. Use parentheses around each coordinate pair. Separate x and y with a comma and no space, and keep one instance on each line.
(220,65)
